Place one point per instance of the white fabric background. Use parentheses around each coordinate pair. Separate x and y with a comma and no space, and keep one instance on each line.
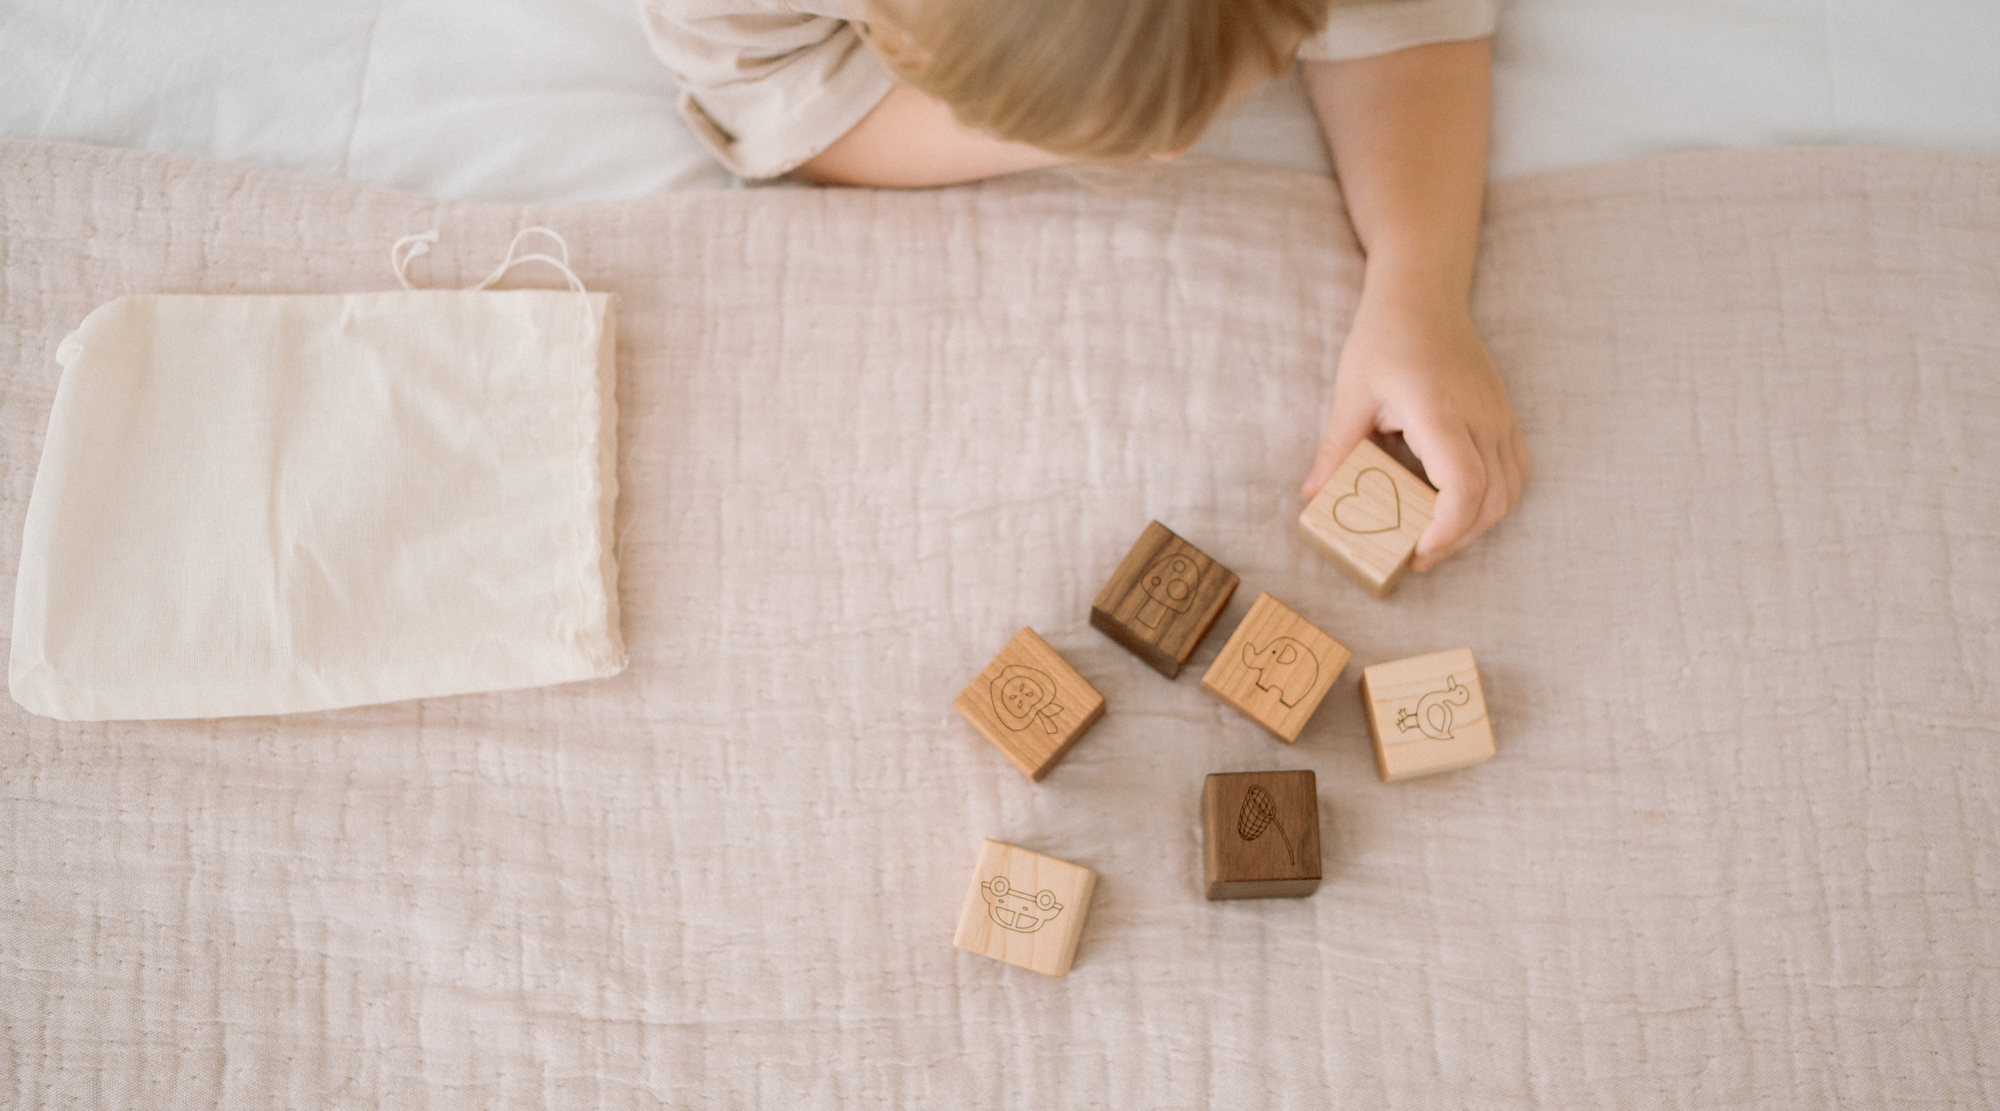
(1740,846)
(547,100)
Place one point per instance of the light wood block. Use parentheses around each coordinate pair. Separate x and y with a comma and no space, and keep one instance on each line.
(1260,834)
(1025,908)
(1427,715)
(1368,516)
(1163,599)
(1277,667)
(1031,704)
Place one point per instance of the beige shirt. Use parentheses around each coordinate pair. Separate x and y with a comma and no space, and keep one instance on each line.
(768,84)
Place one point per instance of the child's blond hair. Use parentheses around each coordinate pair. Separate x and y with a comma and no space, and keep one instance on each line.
(1097,80)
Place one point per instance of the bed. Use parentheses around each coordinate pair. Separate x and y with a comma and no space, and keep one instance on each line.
(1739,846)
(527,100)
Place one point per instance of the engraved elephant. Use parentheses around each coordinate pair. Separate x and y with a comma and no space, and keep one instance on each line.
(1284,665)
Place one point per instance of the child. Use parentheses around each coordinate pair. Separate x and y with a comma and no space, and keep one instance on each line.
(929,92)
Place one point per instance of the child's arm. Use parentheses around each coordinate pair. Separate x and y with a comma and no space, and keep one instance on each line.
(911,139)
(1408,132)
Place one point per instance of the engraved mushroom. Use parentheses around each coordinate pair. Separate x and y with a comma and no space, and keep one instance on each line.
(1169,583)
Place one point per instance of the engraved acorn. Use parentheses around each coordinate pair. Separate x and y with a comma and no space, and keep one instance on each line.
(1258,814)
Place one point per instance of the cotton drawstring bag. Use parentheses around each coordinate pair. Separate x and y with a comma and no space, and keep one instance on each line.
(273,504)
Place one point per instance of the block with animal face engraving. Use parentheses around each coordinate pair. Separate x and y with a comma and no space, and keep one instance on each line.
(1031,704)
(1368,516)
(1163,599)
(1426,715)
(1025,908)
(1276,668)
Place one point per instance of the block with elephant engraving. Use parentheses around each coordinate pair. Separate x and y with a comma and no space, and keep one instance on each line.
(1025,908)
(1426,715)
(1276,668)
(1031,704)
(1163,599)
(1368,516)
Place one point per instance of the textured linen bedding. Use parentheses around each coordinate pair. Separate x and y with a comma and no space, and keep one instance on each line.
(1740,846)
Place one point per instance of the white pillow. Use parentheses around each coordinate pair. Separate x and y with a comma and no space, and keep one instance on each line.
(270,504)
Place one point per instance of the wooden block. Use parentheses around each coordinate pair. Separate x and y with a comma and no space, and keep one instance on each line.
(1031,704)
(1427,715)
(1260,834)
(1276,667)
(1368,516)
(1025,908)
(1163,599)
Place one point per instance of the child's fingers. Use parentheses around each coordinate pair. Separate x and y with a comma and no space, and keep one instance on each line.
(1491,508)
(1518,443)
(1460,472)
(1349,425)
(1503,494)
(1500,494)
(1506,470)
(1516,471)
(1507,480)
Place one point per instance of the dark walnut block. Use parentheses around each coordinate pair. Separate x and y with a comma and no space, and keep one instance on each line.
(1261,834)
(1163,599)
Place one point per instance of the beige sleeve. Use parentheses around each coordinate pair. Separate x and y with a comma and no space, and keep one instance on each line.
(766,87)
(1365,28)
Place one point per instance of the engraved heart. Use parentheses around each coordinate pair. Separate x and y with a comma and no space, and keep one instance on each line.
(1372,507)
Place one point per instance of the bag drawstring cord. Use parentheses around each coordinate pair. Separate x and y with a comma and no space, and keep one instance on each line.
(411,247)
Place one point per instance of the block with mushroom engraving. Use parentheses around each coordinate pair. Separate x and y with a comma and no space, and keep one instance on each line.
(1025,908)
(1031,704)
(1276,668)
(1163,599)
(1426,715)
(1260,834)
(1368,516)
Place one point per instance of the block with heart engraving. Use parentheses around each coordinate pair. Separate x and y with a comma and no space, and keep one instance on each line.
(1276,668)
(1025,908)
(1031,704)
(1426,715)
(1368,516)
(1163,599)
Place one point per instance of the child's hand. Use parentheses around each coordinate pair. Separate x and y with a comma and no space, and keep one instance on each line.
(1417,365)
